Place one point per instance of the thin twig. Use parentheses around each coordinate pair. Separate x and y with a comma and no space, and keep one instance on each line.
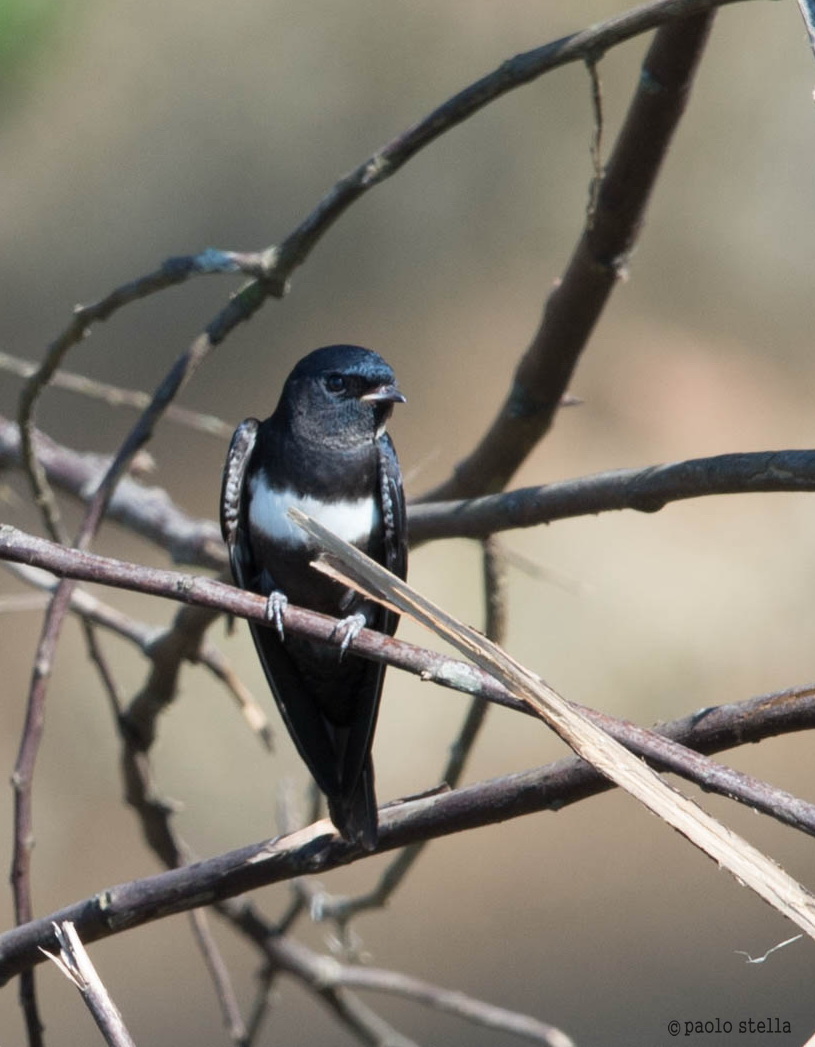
(327,975)
(224,990)
(173,271)
(457,1003)
(596,148)
(116,396)
(177,642)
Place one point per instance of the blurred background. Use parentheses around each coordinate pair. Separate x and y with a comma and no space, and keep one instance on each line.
(136,131)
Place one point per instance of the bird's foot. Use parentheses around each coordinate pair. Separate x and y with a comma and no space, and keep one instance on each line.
(275,609)
(349,629)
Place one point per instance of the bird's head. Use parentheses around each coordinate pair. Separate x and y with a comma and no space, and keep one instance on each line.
(341,394)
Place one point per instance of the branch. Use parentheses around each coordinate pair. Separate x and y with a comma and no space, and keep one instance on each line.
(327,975)
(173,271)
(317,849)
(147,511)
(600,258)
(116,396)
(645,490)
(152,514)
(772,718)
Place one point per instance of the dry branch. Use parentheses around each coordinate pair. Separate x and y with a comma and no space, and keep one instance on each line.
(151,513)
(709,730)
(575,304)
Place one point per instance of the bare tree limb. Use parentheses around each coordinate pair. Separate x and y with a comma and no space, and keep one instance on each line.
(773,717)
(317,849)
(645,490)
(151,513)
(145,510)
(600,258)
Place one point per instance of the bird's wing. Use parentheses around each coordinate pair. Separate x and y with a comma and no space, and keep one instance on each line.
(302,717)
(394,557)
(232,484)
(394,517)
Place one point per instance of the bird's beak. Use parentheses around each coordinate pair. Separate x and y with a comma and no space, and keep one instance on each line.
(384,394)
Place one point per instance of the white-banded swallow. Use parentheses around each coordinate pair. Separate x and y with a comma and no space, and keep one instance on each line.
(324,450)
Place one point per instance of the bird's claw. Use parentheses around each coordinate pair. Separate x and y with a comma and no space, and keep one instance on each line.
(275,609)
(349,628)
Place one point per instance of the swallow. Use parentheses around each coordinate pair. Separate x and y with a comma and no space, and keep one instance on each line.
(325,451)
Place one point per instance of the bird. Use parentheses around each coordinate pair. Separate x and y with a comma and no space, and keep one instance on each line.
(325,450)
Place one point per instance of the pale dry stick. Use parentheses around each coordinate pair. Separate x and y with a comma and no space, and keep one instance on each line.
(74,962)
(746,863)
(343,908)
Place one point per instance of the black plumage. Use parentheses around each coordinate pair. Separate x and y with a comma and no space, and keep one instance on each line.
(325,450)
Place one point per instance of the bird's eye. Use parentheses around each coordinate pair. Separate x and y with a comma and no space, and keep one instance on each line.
(335,383)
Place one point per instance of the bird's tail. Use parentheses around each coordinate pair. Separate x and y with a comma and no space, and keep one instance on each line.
(354,812)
